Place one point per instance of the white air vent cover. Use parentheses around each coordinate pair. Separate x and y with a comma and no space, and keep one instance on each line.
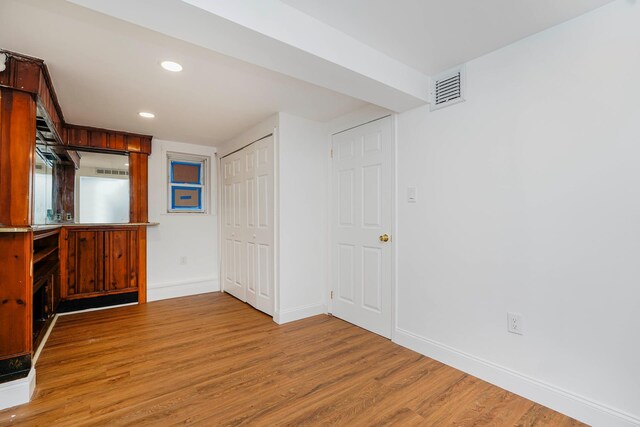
(111,172)
(447,88)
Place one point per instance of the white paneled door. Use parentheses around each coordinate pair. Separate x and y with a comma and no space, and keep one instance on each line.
(248,224)
(361,225)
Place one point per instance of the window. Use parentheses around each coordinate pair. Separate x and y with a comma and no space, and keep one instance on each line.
(187,176)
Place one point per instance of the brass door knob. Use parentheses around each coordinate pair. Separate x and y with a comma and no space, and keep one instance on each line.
(384,238)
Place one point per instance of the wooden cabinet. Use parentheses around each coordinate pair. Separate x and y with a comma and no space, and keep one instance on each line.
(99,262)
(98,265)
(46,282)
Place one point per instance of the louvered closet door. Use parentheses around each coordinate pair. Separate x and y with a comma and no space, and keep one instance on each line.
(251,266)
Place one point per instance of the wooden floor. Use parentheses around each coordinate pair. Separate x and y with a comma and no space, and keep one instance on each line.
(212,360)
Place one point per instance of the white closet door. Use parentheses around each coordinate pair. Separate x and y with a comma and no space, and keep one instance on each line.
(262,232)
(248,256)
(234,227)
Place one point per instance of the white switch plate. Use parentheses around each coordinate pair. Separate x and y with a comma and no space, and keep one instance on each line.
(412,194)
(514,323)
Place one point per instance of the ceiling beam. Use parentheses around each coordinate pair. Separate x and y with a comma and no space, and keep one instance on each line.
(276,36)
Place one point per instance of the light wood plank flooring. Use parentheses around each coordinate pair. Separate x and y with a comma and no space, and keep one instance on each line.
(212,360)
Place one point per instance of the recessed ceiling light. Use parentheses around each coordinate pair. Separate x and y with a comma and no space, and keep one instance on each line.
(146,115)
(171,66)
(126,164)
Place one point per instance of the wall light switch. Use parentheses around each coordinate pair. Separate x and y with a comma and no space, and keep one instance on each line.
(412,194)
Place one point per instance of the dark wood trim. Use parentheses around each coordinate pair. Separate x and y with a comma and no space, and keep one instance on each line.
(52,91)
(96,129)
(97,301)
(29,74)
(16,297)
(15,367)
(17,147)
(138,187)
(88,138)
(142,264)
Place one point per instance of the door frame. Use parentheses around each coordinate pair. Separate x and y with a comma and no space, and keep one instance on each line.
(273,132)
(394,240)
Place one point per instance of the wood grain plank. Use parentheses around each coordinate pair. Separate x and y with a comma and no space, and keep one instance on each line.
(17,147)
(212,360)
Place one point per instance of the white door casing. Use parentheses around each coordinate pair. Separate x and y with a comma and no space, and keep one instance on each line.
(248,224)
(362,209)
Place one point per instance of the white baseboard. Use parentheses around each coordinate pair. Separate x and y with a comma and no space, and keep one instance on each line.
(160,291)
(18,392)
(578,407)
(298,313)
(86,310)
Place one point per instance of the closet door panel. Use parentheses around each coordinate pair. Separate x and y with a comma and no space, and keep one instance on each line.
(248,224)
(263,232)
(233,226)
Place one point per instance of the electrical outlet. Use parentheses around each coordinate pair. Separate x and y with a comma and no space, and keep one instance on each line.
(514,323)
(183,260)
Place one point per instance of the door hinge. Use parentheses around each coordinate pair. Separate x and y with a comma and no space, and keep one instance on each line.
(332,153)
(331,294)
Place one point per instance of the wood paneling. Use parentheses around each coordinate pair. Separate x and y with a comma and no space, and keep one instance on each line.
(142,264)
(49,106)
(77,137)
(138,187)
(29,74)
(15,286)
(106,140)
(99,261)
(116,141)
(22,72)
(211,360)
(17,151)
(64,188)
(121,260)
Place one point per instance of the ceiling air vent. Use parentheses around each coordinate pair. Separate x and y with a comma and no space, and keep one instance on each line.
(447,88)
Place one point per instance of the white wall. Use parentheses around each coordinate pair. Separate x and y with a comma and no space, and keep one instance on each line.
(301,157)
(303,227)
(266,127)
(528,202)
(193,236)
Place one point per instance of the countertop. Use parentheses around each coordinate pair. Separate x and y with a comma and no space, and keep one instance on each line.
(43,227)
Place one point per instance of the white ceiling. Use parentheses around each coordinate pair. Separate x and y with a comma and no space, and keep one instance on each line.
(105,71)
(434,35)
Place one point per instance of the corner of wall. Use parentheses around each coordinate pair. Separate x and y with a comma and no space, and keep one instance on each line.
(299,313)
(18,392)
(179,289)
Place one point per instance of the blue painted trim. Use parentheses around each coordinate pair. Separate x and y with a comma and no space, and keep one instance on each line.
(177,162)
(183,208)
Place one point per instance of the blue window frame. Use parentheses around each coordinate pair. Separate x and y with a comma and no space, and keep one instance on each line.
(187,183)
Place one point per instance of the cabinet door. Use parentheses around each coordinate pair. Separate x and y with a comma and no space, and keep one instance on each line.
(120,249)
(85,262)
